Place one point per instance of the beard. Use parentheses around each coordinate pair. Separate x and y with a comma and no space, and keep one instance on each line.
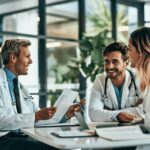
(113,73)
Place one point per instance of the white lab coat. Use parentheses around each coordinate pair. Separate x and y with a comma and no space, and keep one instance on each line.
(9,118)
(146,106)
(97,112)
(147,109)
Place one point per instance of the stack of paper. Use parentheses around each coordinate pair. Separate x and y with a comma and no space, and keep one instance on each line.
(122,133)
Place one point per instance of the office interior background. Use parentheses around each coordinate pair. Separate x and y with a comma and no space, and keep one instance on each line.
(67,38)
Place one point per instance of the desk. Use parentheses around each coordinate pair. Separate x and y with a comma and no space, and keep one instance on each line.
(43,135)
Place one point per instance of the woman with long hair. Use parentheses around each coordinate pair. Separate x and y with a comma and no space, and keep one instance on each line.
(139,54)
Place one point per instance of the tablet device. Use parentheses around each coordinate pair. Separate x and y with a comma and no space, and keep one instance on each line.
(72,134)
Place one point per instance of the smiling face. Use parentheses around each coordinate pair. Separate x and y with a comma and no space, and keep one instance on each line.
(134,56)
(114,65)
(22,62)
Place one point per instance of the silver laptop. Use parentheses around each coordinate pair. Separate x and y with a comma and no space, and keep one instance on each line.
(81,121)
(84,125)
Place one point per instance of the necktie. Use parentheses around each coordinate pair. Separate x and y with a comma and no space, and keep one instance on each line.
(17,97)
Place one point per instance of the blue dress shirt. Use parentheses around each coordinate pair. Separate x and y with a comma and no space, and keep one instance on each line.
(10,76)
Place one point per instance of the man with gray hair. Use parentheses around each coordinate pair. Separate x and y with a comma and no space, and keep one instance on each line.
(17,109)
(22,113)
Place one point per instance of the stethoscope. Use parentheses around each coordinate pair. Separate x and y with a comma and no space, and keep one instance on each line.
(105,97)
(25,94)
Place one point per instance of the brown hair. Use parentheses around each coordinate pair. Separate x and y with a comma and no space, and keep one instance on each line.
(141,41)
(116,46)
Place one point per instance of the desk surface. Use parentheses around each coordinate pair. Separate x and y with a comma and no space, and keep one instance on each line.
(43,135)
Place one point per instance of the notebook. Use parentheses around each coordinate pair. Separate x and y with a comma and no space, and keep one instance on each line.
(87,130)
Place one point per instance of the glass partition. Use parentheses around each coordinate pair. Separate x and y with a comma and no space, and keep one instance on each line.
(24,22)
(62,22)
(146,12)
(126,21)
(62,60)
(63,72)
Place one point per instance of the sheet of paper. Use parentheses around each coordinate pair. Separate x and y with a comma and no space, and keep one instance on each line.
(122,133)
(62,104)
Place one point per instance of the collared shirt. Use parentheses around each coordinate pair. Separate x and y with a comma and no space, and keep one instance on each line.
(10,76)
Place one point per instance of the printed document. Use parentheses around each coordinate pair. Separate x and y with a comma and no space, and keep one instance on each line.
(122,133)
(62,104)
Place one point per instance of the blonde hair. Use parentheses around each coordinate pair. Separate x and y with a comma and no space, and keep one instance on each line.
(141,41)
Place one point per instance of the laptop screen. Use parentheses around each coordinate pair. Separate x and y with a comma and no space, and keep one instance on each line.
(81,121)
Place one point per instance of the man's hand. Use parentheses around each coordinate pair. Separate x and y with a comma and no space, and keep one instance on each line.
(124,117)
(45,113)
(139,101)
(74,108)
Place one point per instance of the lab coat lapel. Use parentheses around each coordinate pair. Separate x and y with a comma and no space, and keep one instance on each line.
(125,90)
(111,94)
(23,101)
(5,90)
(6,94)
